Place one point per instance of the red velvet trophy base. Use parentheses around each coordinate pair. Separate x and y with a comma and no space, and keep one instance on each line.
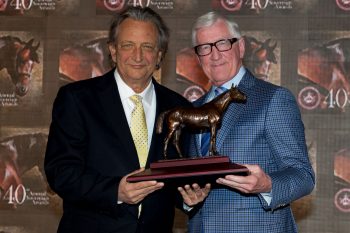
(191,170)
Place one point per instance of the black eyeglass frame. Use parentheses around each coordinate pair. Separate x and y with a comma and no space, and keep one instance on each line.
(232,41)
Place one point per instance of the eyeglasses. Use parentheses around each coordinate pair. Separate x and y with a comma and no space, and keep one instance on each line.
(221,46)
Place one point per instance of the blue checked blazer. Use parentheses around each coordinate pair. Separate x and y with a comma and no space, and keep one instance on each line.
(267,131)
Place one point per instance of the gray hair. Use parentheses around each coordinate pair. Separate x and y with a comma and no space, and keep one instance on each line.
(145,14)
(209,19)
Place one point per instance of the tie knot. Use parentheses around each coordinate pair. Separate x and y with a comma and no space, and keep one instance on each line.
(136,99)
(220,90)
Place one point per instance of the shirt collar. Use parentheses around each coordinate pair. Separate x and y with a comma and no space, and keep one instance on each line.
(125,91)
(235,80)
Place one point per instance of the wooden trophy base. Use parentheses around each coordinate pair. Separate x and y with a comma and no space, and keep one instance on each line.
(199,170)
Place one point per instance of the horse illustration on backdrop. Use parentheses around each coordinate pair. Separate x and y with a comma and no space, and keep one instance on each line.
(8,168)
(327,65)
(18,58)
(19,154)
(259,56)
(83,61)
(206,116)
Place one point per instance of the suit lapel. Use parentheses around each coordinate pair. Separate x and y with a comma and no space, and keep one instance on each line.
(234,111)
(113,110)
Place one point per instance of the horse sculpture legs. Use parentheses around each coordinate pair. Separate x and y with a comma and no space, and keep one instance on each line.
(177,131)
(176,141)
(212,145)
(166,141)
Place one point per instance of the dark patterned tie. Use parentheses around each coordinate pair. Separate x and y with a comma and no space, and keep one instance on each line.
(206,136)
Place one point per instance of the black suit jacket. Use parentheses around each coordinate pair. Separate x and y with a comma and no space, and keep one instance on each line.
(90,148)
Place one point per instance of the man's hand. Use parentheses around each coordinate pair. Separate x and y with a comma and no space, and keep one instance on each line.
(133,193)
(256,182)
(193,195)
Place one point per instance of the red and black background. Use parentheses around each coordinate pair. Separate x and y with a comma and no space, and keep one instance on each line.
(298,44)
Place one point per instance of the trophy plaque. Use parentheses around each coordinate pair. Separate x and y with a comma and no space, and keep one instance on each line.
(197,169)
(187,171)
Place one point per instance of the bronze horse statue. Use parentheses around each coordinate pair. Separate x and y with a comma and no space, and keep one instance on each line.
(18,57)
(206,116)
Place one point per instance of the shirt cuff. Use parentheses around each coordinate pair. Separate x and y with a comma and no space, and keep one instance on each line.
(267,197)
(186,207)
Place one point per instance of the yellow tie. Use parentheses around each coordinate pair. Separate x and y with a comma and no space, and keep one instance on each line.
(139,130)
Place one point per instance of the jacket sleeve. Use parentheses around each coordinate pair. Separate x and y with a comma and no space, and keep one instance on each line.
(294,177)
(65,159)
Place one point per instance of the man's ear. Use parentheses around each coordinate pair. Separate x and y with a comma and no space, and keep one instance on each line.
(113,51)
(159,60)
(241,44)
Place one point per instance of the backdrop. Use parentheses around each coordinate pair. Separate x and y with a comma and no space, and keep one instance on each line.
(44,44)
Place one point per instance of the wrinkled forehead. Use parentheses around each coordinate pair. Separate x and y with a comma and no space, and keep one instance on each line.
(137,31)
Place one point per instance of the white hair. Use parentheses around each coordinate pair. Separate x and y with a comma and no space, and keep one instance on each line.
(209,19)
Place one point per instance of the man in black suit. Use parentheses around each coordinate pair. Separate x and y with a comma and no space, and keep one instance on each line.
(91,148)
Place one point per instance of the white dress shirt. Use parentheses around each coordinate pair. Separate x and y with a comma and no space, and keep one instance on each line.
(148,101)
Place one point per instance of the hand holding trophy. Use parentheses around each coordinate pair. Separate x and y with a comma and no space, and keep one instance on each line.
(207,116)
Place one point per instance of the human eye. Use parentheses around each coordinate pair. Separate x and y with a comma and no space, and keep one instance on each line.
(127,46)
(148,47)
(223,44)
(204,48)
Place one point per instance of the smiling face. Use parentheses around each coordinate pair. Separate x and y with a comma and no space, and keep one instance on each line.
(136,52)
(220,67)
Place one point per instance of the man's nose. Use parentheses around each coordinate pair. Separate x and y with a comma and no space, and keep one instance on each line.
(215,53)
(138,54)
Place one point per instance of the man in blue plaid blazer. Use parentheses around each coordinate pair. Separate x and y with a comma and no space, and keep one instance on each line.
(266,134)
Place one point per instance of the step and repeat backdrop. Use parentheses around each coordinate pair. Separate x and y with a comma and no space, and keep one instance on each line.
(44,44)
